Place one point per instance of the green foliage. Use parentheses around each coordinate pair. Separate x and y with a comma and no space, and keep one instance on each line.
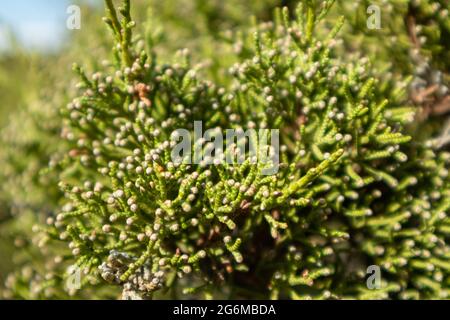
(353,188)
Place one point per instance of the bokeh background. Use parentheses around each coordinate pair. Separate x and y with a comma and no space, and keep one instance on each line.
(34,44)
(37,25)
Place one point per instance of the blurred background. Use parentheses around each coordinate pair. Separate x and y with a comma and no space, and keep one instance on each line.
(38,24)
(35,44)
